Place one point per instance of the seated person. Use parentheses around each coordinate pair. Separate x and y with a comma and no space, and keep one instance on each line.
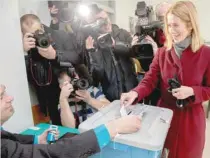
(91,142)
(81,105)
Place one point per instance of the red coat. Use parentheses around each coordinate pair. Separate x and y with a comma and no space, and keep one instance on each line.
(186,135)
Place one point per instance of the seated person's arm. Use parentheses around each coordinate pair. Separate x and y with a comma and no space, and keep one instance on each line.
(97,101)
(67,117)
(83,145)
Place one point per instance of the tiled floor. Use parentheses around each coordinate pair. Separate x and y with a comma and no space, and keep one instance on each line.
(207,146)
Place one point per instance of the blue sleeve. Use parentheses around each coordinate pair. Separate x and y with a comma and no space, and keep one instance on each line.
(102,135)
(36,139)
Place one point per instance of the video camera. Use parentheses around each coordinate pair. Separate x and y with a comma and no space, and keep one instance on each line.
(81,83)
(145,26)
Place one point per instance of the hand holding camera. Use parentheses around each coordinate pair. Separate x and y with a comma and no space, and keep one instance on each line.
(28,42)
(66,90)
(182,93)
(48,53)
(83,95)
(89,43)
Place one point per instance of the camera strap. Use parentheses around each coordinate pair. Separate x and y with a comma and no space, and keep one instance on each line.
(41,74)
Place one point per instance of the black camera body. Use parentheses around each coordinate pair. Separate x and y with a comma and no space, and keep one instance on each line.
(174,83)
(80,83)
(42,39)
(95,30)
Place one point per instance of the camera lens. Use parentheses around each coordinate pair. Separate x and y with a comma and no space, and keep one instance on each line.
(82,84)
(44,42)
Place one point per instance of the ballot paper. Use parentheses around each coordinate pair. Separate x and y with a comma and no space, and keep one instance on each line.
(123,111)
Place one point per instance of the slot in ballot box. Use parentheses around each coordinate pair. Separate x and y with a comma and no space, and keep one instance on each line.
(148,142)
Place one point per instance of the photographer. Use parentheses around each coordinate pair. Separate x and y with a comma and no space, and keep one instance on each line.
(161,10)
(82,102)
(114,70)
(80,146)
(45,49)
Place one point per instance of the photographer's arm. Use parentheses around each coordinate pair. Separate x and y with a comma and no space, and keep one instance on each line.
(67,117)
(97,101)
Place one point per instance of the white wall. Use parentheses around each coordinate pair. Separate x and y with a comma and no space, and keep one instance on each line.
(124,9)
(37,7)
(12,66)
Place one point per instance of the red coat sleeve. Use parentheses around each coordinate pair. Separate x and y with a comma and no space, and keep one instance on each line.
(202,93)
(151,78)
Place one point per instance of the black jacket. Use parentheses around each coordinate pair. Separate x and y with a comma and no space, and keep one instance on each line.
(21,146)
(48,94)
(114,70)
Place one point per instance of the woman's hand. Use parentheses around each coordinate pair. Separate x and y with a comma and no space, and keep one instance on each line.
(183,92)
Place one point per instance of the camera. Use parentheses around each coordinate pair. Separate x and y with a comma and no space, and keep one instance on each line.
(174,83)
(95,29)
(81,83)
(145,26)
(42,39)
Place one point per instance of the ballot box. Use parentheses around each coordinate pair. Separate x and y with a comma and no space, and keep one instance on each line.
(148,142)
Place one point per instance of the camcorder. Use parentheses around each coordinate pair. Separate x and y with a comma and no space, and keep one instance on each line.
(81,83)
(143,50)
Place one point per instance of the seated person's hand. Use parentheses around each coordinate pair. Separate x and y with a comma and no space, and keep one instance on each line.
(48,53)
(42,139)
(28,42)
(83,95)
(128,124)
(124,125)
(66,90)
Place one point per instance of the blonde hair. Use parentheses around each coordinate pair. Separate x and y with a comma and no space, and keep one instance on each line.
(28,20)
(186,11)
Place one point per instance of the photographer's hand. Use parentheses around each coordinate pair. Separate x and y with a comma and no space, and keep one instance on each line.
(83,95)
(66,90)
(54,11)
(48,53)
(183,92)
(153,43)
(89,43)
(28,42)
(134,40)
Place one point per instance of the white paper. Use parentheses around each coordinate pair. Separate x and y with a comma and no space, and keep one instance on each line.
(123,112)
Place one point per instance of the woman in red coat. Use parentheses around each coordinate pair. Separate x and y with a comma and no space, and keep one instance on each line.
(186,58)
